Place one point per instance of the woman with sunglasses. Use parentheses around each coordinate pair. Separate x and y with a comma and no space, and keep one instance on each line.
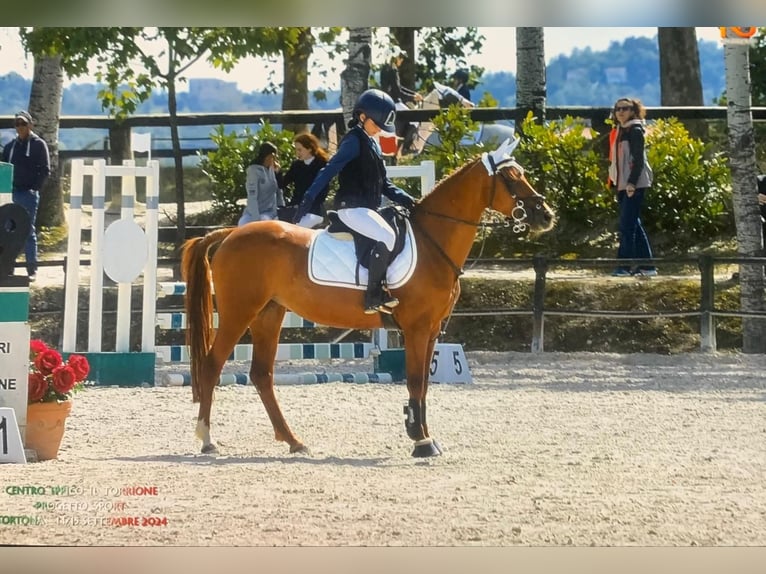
(362,180)
(631,176)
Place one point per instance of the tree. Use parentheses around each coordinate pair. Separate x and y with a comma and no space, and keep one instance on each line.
(130,70)
(680,77)
(530,73)
(743,176)
(45,107)
(355,77)
(440,52)
(298,47)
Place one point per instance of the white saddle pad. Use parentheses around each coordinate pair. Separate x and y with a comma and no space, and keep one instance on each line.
(332,261)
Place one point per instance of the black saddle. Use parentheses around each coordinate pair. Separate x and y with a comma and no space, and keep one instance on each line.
(394,215)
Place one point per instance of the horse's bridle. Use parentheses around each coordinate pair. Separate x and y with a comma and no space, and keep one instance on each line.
(518,213)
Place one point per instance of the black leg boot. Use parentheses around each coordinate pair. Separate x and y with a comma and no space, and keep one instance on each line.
(376,299)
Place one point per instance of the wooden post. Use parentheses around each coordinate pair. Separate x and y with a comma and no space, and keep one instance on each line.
(707,304)
(541,268)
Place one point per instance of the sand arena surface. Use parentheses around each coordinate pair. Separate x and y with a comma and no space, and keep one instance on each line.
(542,450)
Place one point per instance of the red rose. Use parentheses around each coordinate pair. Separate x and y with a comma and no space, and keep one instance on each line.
(79,365)
(37,346)
(64,379)
(48,360)
(38,386)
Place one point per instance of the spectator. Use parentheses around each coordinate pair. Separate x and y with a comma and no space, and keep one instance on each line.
(631,177)
(391,84)
(362,182)
(459,81)
(263,193)
(28,153)
(310,159)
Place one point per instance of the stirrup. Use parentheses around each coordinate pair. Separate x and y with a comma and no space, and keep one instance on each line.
(390,302)
(379,308)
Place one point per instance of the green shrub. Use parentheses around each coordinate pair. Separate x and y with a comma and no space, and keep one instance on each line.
(227,165)
(560,162)
(690,200)
(453,125)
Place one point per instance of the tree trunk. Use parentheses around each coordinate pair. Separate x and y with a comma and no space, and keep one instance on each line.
(119,150)
(680,77)
(405,37)
(295,64)
(177,158)
(744,185)
(45,107)
(354,79)
(531,88)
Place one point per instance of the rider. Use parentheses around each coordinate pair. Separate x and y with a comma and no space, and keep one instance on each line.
(391,84)
(460,83)
(362,179)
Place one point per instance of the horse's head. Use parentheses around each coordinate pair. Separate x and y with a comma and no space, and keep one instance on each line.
(521,204)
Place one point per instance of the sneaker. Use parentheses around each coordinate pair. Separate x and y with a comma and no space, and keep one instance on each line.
(32,277)
(619,272)
(647,272)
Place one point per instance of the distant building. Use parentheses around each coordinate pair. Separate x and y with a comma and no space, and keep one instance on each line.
(213,89)
(616,75)
(577,75)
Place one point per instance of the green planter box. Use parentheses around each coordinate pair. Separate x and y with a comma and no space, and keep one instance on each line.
(391,361)
(6,177)
(120,369)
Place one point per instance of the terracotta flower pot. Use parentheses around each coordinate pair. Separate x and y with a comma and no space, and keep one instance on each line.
(45,427)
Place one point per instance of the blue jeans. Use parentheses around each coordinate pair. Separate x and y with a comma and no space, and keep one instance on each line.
(29,200)
(634,243)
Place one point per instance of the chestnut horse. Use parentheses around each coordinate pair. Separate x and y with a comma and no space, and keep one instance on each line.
(261,269)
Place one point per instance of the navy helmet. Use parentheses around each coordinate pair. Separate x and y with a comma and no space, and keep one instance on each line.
(461,75)
(379,107)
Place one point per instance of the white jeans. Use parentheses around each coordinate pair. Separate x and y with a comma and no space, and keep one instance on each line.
(369,223)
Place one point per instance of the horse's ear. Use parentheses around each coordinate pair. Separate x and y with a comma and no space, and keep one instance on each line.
(505,150)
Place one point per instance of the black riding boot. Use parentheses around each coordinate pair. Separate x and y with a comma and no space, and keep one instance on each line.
(377,299)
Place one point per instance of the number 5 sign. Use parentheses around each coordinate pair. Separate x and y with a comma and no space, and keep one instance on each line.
(737,34)
(449,365)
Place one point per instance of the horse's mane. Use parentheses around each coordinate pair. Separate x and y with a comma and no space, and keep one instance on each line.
(444,178)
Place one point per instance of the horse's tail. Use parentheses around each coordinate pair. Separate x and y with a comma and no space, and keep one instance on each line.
(198,301)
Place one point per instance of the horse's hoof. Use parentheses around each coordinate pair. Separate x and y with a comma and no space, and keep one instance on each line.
(210,449)
(425,448)
(300,448)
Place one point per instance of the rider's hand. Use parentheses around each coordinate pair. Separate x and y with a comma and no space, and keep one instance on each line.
(302,210)
(407,202)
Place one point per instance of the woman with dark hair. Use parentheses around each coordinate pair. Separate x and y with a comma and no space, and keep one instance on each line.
(302,172)
(263,193)
(362,182)
(631,177)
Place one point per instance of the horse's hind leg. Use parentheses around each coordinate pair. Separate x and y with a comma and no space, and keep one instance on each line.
(209,373)
(265,331)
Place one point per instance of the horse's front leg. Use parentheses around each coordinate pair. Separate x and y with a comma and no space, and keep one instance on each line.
(265,332)
(419,351)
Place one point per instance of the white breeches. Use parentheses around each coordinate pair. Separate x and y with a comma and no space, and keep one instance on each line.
(369,223)
(310,220)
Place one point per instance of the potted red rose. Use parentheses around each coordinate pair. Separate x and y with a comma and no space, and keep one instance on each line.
(52,384)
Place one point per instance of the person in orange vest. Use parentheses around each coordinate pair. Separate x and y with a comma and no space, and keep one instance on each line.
(631,177)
